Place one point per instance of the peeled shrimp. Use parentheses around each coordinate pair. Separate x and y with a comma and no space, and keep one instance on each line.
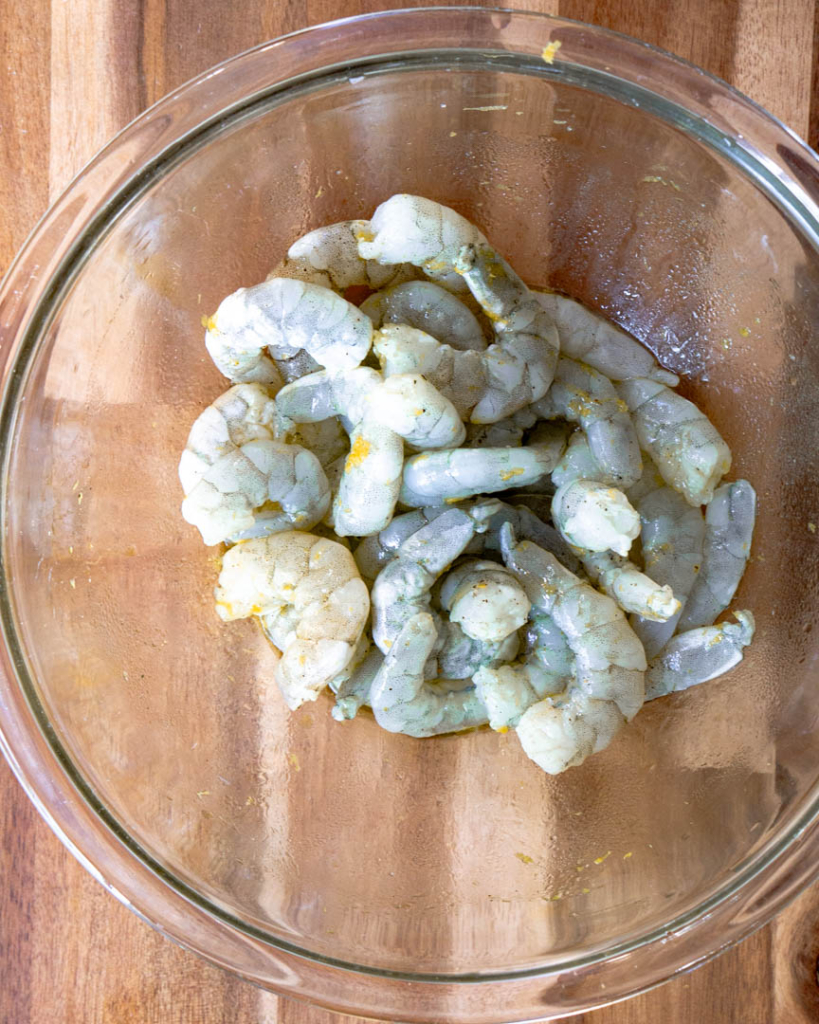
(460,376)
(354,690)
(238,482)
(313,584)
(521,364)
(729,527)
(594,340)
(403,701)
(285,316)
(411,229)
(609,662)
(699,655)
(434,477)
(430,308)
(485,600)
(685,446)
(328,256)
(672,538)
(582,395)
(604,516)
(373,553)
(402,588)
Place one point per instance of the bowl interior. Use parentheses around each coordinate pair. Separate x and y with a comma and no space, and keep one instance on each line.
(456,854)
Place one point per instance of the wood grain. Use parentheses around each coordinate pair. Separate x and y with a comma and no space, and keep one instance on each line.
(71,75)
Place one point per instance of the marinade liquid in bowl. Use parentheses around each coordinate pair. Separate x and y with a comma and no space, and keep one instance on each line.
(445,879)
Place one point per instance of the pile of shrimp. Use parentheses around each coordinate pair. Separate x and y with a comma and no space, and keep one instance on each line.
(430,499)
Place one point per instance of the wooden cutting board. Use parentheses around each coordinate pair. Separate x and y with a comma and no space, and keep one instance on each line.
(72,72)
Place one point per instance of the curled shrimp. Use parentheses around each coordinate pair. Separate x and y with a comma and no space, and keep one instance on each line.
(521,364)
(432,478)
(683,443)
(402,588)
(699,655)
(594,340)
(429,308)
(373,553)
(281,318)
(595,517)
(238,482)
(404,701)
(411,229)
(378,412)
(729,528)
(328,256)
(672,539)
(583,395)
(609,662)
(313,585)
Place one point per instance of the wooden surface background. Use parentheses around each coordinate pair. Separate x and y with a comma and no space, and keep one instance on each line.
(72,72)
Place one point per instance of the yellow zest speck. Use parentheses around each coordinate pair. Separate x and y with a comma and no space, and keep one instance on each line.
(203,792)
(812,527)
(250,802)
(744,332)
(499,106)
(524,858)
(627,855)
(255,609)
(509,473)
(502,729)
(73,584)
(320,192)
(76,485)
(79,498)
(417,412)
(358,453)
(294,760)
(388,644)
(452,135)
(209,323)
(599,860)
(550,50)
(362,235)
(452,501)
(585,891)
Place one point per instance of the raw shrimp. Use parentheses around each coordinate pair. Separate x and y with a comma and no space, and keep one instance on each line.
(373,553)
(595,516)
(729,527)
(461,656)
(415,410)
(402,588)
(506,433)
(245,412)
(434,477)
(521,364)
(609,662)
(368,487)
(403,701)
(314,585)
(546,669)
(240,483)
(284,317)
(354,690)
(631,589)
(326,439)
(582,395)
(411,229)
(485,600)
(430,308)
(621,579)
(594,340)
(699,655)
(329,257)
(685,446)
(460,376)
(672,538)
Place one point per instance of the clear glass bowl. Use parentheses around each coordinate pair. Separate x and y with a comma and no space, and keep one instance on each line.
(446,879)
